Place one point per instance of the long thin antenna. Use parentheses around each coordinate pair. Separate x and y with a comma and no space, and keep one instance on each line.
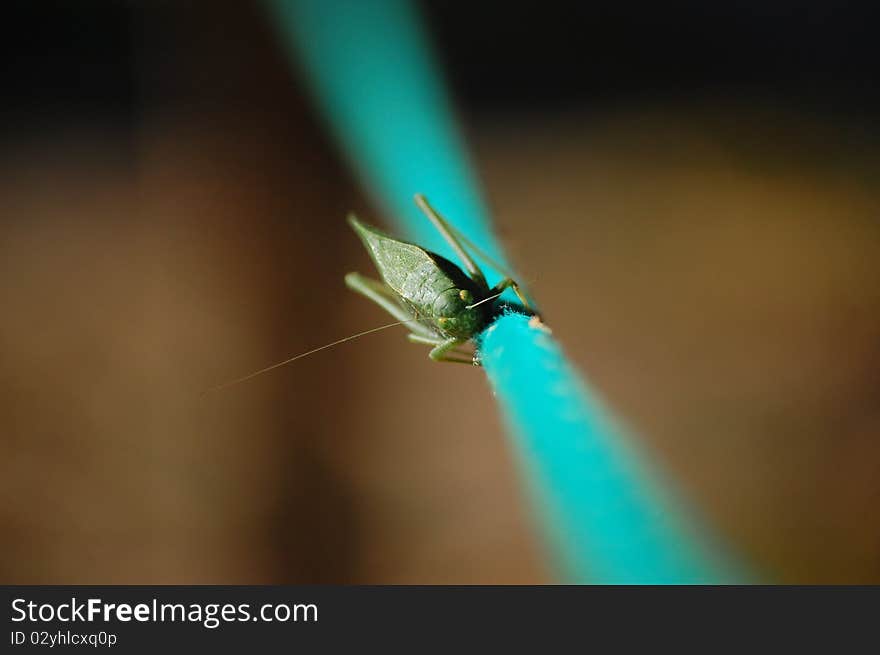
(306,354)
(484,300)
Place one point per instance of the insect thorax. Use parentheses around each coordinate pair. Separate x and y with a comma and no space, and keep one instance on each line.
(432,294)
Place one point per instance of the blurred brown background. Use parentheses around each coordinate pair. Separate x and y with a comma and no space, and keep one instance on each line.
(172,217)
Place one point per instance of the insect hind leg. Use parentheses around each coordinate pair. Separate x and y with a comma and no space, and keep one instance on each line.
(448,234)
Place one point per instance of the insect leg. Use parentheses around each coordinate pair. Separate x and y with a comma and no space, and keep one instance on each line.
(504,284)
(447,233)
(436,341)
(382,296)
(439,352)
(457,360)
(428,341)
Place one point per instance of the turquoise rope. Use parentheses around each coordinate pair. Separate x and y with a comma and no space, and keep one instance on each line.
(607,518)
(383,96)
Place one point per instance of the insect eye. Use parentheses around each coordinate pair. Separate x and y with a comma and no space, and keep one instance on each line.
(465,295)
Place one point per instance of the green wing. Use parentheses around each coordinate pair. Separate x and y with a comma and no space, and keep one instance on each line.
(397,260)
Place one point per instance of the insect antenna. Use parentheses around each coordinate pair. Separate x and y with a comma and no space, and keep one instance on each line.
(247,377)
(484,300)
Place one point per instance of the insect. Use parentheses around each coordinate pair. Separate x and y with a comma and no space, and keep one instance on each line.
(443,306)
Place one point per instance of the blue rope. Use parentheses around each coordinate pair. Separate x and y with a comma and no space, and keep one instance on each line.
(608,518)
(384,99)
(374,79)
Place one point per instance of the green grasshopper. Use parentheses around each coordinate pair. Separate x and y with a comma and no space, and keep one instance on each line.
(444,307)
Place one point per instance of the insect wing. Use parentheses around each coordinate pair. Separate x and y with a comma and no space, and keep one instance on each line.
(395,260)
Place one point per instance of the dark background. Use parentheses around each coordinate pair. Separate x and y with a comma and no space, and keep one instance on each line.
(689,188)
(501,58)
